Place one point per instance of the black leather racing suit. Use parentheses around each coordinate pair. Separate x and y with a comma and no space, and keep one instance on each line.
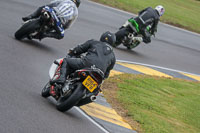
(98,53)
(146,17)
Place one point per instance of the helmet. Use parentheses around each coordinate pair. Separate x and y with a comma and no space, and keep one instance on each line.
(160,9)
(108,37)
(77,2)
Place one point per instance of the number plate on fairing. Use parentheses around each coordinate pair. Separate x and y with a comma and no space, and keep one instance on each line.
(90,84)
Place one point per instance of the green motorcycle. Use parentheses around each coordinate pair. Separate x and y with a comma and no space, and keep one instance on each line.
(129,34)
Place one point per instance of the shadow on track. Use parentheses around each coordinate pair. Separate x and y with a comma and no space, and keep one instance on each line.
(37,45)
(132,52)
(52,103)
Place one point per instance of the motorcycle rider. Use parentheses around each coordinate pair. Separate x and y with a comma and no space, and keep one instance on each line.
(147,20)
(98,53)
(66,11)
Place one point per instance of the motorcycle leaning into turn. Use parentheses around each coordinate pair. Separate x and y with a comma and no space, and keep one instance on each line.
(129,35)
(80,88)
(35,28)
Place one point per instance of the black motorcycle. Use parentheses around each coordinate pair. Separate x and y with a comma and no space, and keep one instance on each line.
(34,28)
(80,88)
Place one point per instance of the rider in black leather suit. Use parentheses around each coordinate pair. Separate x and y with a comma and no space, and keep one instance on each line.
(98,53)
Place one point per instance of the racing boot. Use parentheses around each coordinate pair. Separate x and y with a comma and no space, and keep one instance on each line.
(36,14)
(63,72)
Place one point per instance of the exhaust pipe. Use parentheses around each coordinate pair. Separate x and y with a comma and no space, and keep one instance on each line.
(130,35)
(86,100)
(93,98)
(46,15)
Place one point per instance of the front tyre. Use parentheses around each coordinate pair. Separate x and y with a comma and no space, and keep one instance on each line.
(76,96)
(45,91)
(27,29)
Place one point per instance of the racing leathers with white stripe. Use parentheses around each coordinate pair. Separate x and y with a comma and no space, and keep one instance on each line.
(65,10)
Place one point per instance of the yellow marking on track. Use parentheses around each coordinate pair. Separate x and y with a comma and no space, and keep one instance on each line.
(192,76)
(105,113)
(145,70)
(114,72)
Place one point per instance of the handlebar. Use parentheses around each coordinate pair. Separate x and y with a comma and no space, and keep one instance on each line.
(56,62)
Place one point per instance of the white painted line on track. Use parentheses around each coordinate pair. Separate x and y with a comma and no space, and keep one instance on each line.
(90,119)
(169,69)
(136,15)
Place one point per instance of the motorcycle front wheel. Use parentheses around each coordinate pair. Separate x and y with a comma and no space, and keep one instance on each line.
(27,29)
(66,104)
(45,91)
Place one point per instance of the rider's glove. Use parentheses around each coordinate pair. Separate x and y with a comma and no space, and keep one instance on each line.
(125,24)
(71,52)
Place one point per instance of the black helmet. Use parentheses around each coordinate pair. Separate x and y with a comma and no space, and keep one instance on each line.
(77,2)
(108,37)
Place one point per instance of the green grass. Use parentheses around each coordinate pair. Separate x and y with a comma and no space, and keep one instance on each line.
(182,13)
(159,105)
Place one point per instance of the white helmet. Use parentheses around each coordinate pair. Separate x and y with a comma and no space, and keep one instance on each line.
(160,10)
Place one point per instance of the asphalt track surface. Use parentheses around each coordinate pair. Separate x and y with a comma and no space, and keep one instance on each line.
(24,64)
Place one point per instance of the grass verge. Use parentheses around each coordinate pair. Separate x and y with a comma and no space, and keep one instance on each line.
(154,104)
(181,13)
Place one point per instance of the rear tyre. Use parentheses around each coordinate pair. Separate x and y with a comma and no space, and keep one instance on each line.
(26,29)
(66,104)
(45,91)
(132,46)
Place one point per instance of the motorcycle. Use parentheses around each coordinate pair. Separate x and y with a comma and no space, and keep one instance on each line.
(34,28)
(80,87)
(132,37)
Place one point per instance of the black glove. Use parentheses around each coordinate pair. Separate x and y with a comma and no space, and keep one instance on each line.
(71,52)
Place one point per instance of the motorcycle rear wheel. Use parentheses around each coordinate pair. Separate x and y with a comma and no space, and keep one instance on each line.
(27,28)
(132,46)
(76,96)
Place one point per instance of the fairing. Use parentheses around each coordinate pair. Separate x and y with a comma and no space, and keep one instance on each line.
(53,68)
